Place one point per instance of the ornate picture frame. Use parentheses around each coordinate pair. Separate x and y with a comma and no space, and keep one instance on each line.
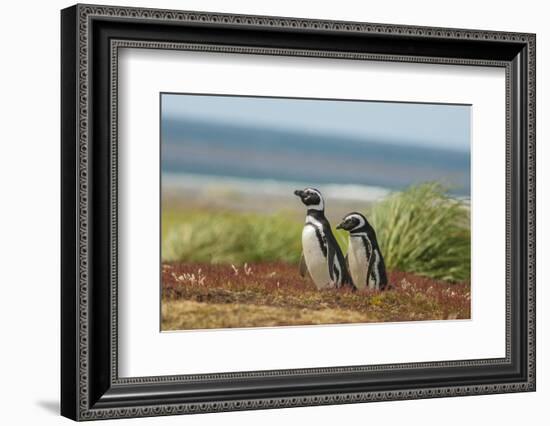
(91,37)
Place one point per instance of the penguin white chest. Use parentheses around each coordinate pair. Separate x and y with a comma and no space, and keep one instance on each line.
(316,261)
(358,262)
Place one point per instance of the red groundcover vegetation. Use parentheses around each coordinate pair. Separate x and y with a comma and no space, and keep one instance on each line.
(196,295)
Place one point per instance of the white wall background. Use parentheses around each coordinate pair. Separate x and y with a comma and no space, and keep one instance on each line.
(29,225)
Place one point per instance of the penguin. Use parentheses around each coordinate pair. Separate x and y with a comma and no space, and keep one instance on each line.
(364,258)
(321,255)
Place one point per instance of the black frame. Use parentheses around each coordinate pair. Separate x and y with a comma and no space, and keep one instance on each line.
(91,37)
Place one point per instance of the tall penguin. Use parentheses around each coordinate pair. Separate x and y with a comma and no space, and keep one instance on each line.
(364,258)
(321,255)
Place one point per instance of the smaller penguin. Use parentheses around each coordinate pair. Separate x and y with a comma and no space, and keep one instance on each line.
(321,255)
(365,260)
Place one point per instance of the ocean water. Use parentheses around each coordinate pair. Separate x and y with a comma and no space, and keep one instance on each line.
(249,158)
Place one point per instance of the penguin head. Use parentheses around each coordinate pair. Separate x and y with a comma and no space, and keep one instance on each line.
(312,198)
(352,222)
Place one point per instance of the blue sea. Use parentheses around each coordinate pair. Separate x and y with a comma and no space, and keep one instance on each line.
(284,158)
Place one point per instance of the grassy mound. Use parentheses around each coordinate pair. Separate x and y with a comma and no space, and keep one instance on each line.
(423,230)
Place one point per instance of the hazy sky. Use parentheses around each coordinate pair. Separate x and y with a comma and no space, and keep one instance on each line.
(429,125)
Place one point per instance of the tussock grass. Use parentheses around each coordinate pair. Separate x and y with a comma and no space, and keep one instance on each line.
(423,230)
(226,237)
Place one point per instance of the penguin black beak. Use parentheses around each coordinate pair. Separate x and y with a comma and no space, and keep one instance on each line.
(342,225)
(299,193)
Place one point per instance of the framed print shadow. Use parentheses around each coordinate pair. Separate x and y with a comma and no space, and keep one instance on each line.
(265,212)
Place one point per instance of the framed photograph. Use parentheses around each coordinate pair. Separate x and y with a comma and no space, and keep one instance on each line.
(263,212)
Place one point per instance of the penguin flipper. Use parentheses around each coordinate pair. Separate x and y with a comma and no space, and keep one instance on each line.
(383,284)
(370,264)
(303,266)
(331,254)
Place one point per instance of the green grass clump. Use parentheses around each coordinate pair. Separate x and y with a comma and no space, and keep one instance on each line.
(423,230)
(225,237)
